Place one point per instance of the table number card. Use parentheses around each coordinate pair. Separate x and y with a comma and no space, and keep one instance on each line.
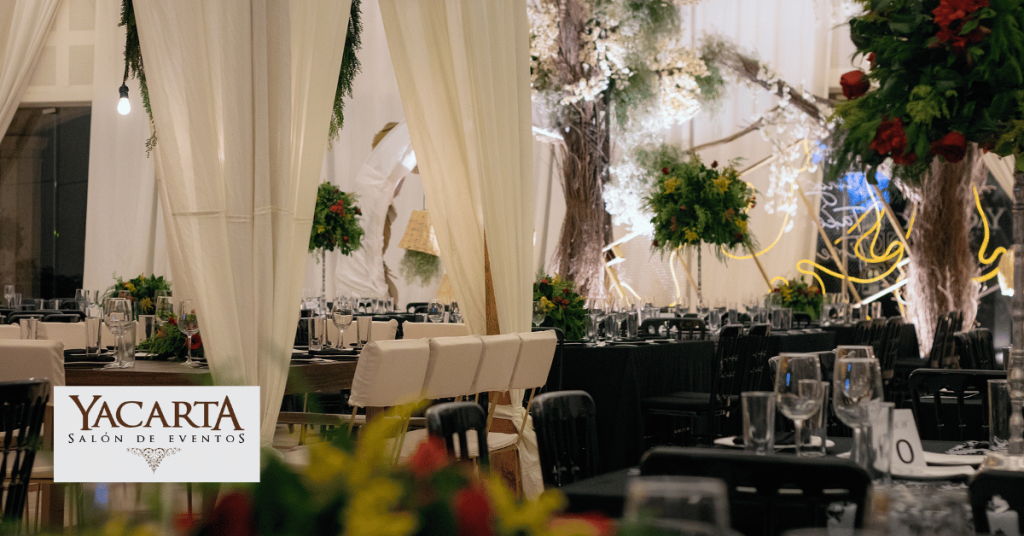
(906,442)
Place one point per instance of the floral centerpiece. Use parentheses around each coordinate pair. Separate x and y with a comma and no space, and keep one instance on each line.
(694,203)
(797,295)
(335,223)
(563,305)
(141,290)
(168,342)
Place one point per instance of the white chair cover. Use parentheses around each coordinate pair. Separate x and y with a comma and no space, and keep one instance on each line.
(389,373)
(536,353)
(10,331)
(424,330)
(452,366)
(497,361)
(26,360)
(71,335)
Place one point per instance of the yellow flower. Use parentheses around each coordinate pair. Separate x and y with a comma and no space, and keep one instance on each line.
(671,185)
(371,511)
(527,517)
(320,229)
(742,224)
(548,305)
(691,235)
(787,292)
(129,286)
(722,184)
(146,305)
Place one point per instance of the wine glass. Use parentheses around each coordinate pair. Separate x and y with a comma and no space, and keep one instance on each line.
(456,314)
(8,294)
(798,389)
(117,312)
(539,313)
(81,299)
(435,311)
(683,306)
(856,384)
(164,310)
(843,352)
(189,325)
(342,314)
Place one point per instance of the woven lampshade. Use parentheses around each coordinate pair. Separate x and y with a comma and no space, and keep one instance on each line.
(445,294)
(419,235)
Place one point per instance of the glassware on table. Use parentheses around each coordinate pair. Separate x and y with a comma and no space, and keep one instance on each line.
(435,311)
(702,307)
(879,464)
(815,438)
(855,351)
(389,304)
(8,294)
(129,332)
(81,299)
(147,326)
(188,324)
(677,504)
(317,329)
(342,315)
(683,305)
(15,301)
(758,421)
(164,309)
(92,335)
(117,312)
(455,315)
(733,313)
(364,324)
(856,383)
(539,312)
(714,320)
(798,389)
(999,405)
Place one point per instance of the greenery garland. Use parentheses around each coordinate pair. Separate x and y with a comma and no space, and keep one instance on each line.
(334,221)
(693,203)
(943,73)
(419,267)
(350,66)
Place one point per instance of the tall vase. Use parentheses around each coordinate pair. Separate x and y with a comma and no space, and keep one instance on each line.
(700,294)
(323,275)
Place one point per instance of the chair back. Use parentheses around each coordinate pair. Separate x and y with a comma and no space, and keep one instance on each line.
(991,483)
(452,421)
(890,347)
(412,307)
(16,316)
(756,357)
(862,332)
(566,427)
(424,330)
(390,373)
(937,424)
(801,319)
(72,335)
(769,494)
(32,360)
(452,366)
(61,317)
(984,349)
(22,409)
(536,352)
(962,351)
(730,364)
(497,361)
(943,346)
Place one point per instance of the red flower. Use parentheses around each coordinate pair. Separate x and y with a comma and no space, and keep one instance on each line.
(429,457)
(197,341)
(565,291)
(949,11)
(714,164)
(172,321)
(739,236)
(854,84)
(890,138)
(359,212)
(871,60)
(655,243)
(473,512)
(905,159)
(682,207)
(595,524)
(344,239)
(952,147)
(664,170)
(545,280)
(232,516)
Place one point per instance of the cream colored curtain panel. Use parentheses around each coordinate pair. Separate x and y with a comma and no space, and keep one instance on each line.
(1002,168)
(24,25)
(241,92)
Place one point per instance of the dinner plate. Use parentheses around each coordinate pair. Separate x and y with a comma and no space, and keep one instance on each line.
(731,442)
(932,472)
(938,458)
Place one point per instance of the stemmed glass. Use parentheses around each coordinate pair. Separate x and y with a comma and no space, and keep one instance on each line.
(164,310)
(435,311)
(683,307)
(856,384)
(798,389)
(341,315)
(81,299)
(455,316)
(117,312)
(189,325)
(8,294)
(539,313)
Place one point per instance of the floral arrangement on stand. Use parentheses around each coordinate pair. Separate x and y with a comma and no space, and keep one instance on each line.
(797,295)
(563,305)
(142,291)
(694,203)
(334,221)
(169,343)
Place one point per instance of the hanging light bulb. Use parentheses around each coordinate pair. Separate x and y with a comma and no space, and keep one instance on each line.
(123,106)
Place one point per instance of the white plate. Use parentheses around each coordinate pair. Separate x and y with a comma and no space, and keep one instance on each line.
(938,458)
(932,472)
(729,442)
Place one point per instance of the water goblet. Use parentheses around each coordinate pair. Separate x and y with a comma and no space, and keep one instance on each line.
(342,314)
(798,389)
(856,383)
(8,294)
(117,312)
(435,311)
(188,324)
(164,310)
(539,313)
(455,316)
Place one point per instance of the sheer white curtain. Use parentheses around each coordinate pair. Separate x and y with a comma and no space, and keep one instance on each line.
(464,79)
(241,93)
(123,201)
(24,25)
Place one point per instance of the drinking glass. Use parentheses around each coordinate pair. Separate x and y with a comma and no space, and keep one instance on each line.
(683,305)
(15,301)
(855,351)
(435,311)
(124,294)
(164,309)
(389,304)
(8,294)
(316,327)
(999,415)
(92,336)
(879,464)
(117,312)
(798,389)
(758,421)
(81,299)
(856,383)
(127,344)
(455,316)
(671,503)
(714,320)
(189,325)
(702,307)
(341,315)
(733,312)
(816,427)
(364,324)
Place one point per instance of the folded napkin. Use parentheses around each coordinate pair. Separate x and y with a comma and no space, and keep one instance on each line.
(969,448)
(79,356)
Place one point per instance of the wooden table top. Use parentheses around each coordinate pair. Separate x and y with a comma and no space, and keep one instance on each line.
(302,378)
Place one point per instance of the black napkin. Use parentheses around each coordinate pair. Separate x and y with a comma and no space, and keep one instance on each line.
(781,439)
(79,356)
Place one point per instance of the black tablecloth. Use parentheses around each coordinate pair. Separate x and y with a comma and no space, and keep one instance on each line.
(845,334)
(800,342)
(618,377)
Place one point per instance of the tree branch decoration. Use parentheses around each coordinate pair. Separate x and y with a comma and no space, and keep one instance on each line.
(349,66)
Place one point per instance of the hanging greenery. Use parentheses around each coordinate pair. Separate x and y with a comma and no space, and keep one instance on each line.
(334,221)
(419,267)
(349,66)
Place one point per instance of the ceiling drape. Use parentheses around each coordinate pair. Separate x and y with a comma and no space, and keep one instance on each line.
(24,25)
(241,92)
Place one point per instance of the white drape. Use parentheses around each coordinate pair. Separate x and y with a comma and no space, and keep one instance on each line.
(24,25)
(241,92)
(463,75)
(123,199)
(1002,168)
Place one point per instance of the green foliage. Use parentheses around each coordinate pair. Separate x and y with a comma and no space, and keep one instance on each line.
(693,203)
(419,267)
(334,221)
(168,342)
(564,306)
(799,296)
(940,67)
(142,291)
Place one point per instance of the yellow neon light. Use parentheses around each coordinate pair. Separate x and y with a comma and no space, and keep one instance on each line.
(984,241)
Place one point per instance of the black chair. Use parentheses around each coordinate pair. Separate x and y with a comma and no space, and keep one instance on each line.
(770,494)
(963,351)
(756,357)
(566,427)
(801,320)
(413,307)
(989,483)
(984,349)
(69,319)
(724,393)
(938,383)
(16,316)
(22,409)
(456,419)
(943,346)
(862,332)
(690,329)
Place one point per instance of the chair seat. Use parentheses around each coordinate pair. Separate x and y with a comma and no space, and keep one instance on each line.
(683,401)
(495,441)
